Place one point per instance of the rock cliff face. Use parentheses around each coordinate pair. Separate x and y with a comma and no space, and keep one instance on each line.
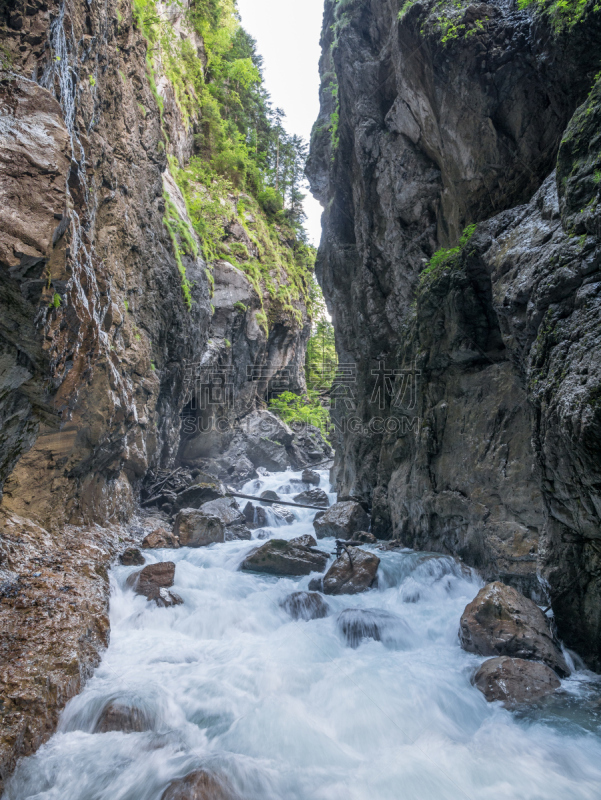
(105,316)
(462,274)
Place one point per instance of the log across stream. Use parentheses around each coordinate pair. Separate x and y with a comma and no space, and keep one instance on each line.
(228,682)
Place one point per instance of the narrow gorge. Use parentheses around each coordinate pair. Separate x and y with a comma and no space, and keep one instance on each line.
(255,547)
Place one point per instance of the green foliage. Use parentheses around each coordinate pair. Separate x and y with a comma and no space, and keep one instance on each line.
(183,243)
(564,14)
(56,301)
(305,409)
(446,257)
(321,359)
(92,80)
(240,307)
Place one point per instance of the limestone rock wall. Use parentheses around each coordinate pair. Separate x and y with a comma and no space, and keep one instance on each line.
(436,117)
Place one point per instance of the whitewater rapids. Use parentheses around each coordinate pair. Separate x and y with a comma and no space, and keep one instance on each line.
(289,711)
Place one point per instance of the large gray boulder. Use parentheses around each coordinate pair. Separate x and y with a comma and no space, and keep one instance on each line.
(341,521)
(216,521)
(515,681)
(279,557)
(352,574)
(500,621)
(119,715)
(313,497)
(310,476)
(199,493)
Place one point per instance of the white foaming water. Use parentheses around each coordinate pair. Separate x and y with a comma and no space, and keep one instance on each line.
(289,711)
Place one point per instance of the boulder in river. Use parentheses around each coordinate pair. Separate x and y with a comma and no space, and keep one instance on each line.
(352,574)
(279,557)
(304,541)
(132,557)
(119,715)
(363,537)
(357,624)
(341,521)
(269,494)
(515,681)
(310,476)
(154,582)
(160,538)
(500,621)
(313,497)
(216,521)
(198,494)
(200,785)
(306,605)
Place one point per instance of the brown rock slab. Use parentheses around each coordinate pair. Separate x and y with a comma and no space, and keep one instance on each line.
(200,785)
(279,557)
(500,621)
(341,521)
(515,681)
(352,575)
(119,716)
(160,538)
(149,581)
(132,557)
(306,605)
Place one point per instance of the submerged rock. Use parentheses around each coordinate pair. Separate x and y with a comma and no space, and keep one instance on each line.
(341,521)
(121,716)
(269,494)
(515,681)
(502,622)
(357,624)
(132,557)
(313,497)
(306,605)
(352,575)
(279,557)
(160,538)
(216,521)
(310,476)
(200,785)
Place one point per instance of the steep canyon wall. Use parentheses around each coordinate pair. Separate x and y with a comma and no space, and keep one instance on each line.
(458,163)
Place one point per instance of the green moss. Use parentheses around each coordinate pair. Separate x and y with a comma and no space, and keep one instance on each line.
(563,14)
(56,301)
(183,243)
(446,257)
(240,307)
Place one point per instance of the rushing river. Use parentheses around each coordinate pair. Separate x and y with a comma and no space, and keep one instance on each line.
(290,712)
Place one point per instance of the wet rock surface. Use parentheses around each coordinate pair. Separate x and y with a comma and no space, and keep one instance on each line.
(341,521)
(304,541)
(495,451)
(216,521)
(313,497)
(152,579)
(362,537)
(132,557)
(357,624)
(120,716)
(311,477)
(354,572)
(306,606)
(160,538)
(279,557)
(515,681)
(200,785)
(502,622)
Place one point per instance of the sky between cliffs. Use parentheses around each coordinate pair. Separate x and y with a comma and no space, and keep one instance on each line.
(287,34)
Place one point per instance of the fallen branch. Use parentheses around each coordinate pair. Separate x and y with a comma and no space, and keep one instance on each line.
(273,502)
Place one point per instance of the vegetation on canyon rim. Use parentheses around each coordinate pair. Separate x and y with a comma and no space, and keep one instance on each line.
(246,168)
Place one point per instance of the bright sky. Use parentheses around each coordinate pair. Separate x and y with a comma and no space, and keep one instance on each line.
(287,34)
